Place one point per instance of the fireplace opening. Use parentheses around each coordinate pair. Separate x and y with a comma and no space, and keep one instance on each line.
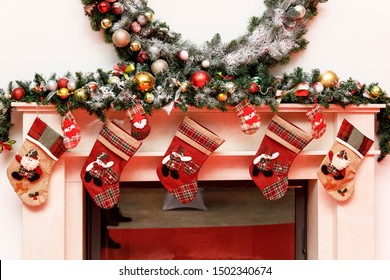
(230,220)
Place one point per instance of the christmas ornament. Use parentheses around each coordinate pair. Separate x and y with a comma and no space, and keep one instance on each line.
(302,89)
(101,171)
(222,97)
(106,23)
(71,131)
(149,97)
(114,80)
(142,19)
(111,1)
(143,82)
(249,119)
(142,56)
(71,85)
(149,15)
(301,10)
(254,87)
(89,9)
(329,79)
(317,120)
(63,93)
(318,87)
(375,91)
(104,7)
(81,94)
(184,86)
(189,149)
(183,55)
(121,38)
(130,68)
(159,66)
(135,46)
(140,127)
(117,8)
(7,96)
(256,80)
(135,27)
(230,87)
(51,85)
(92,86)
(282,142)
(18,93)
(29,173)
(339,167)
(200,78)
(62,82)
(205,64)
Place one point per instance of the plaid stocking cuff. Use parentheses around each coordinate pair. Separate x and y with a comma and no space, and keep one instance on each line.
(135,110)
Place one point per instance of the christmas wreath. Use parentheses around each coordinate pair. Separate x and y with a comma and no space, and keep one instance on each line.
(161,71)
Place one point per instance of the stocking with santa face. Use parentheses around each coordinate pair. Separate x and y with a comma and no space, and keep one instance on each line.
(101,171)
(339,167)
(71,130)
(249,119)
(30,172)
(140,127)
(317,120)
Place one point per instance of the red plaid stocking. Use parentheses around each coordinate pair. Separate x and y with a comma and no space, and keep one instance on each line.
(249,119)
(140,127)
(318,123)
(189,149)
(282,142)
(338,169)
(103,167)
(71,130)
(30,171)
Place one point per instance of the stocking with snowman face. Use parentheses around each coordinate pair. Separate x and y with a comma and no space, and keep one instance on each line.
(189,149)
(140,127)
(101,171)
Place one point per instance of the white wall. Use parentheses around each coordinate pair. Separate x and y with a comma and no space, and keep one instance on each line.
(350,37)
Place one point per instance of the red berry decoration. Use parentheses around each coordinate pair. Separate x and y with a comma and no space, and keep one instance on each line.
(62,82)
(200,78)
(104,7)
(18,93)
(254,88)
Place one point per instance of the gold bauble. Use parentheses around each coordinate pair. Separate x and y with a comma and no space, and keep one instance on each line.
(375,91)
(121,38)
(135,46)
(148,15)
(106,23)
(222,97)
(184,86)
(149,97)
(114,80)
(81,94)
(159,66)
(144,81)
(329,79)
(63,93)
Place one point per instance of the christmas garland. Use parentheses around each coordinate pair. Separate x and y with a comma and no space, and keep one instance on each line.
(161,71)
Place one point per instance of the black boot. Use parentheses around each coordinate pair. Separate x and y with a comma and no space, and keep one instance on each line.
(116,215)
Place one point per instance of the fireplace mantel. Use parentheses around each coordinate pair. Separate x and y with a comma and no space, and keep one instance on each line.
(335,230)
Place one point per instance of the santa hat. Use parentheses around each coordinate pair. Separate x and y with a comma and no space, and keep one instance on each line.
(103,157)
(247,111)
(66,123)
(32,154)
(138,117)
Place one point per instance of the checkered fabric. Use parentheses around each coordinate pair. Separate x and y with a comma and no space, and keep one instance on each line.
(186,193)
(26,173)
(313,114)
(134,113)
(174,163)
(239,108)
(74,140)
(117,142)
(276,190)
(137,109)
(47,138)
(246,127)
(353,137)
(281,169)
(108,198)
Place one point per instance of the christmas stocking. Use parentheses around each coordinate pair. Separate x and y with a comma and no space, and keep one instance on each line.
(140,127)
(103,167)
(71,130)
(30,171)
(338,169)
(249,119)
(318,123)
(189,149)
(282,142)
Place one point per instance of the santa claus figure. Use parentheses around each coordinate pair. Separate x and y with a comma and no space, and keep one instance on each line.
(139,121)
(97,169)
(69,128)
(250,115)
(29,166)
(318,122)
(339,162)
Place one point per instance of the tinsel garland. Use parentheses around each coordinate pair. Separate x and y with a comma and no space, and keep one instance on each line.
(233,68)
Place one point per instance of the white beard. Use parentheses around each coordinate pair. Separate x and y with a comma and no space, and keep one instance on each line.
(340,163)
(141,124)
(29,163)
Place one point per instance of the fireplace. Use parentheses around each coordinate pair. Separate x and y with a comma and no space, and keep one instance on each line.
(336,230)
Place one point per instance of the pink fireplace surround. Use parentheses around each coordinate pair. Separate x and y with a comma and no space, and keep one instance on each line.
(335,230)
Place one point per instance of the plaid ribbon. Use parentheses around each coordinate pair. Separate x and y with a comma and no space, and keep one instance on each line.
(313,111)
(47,137)
(352,136)
(276,190)
(137,109)
(186,193)
(287,135)
(108,198)
(198,137)
(117,141)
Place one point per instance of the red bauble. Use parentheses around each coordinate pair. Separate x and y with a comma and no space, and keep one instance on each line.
(18,93)
(200,78)
(62,82)
(254,87)
(104,7)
